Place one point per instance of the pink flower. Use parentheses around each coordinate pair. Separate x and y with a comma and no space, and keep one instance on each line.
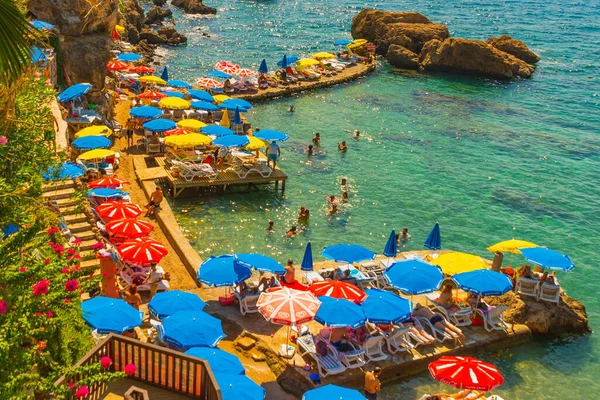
(52,230)
(130,369)
(41,346)
(65,270)
(3,307)
(50,314)
(51,244)
(71,285)
(38,74)
(82,392)
(71,385)
(41,287)
(67,300)
(70,252)
(76,241)
(106,362)
(22,269)
(3,140)
(47,261)
(59,249)
(49,83)
(98,246)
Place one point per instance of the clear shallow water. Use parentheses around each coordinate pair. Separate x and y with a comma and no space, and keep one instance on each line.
(489,160)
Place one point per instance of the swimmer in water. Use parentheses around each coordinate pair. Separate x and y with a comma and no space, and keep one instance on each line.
(356,134)
(345,196)
(343,181)
(292,232)
(291,109)
(333,209)
(309,150)
(342,146)
(304,214)
(270,227)
(317,139)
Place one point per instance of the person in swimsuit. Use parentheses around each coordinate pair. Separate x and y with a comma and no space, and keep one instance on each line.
(155,199)
(342,146)
(417,329)
(290,272)
(132,297)
(446,300)
(438,321)
(317,139)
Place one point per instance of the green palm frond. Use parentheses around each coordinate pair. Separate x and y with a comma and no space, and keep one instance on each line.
(15,50)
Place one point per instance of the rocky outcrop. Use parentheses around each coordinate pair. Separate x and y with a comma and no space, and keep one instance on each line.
(542,318)
(514,47)
(172,37)
(85,57)
(410,40)
(159,3)
(151,37)
(140,34)
(157,14)
(193,7)
(134,15)
(472,57)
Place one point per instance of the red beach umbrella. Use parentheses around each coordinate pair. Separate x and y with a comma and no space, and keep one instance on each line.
(245,72)
(339,290)
(142,251)
(209,83)
(176,132)
(117,65)
(151,94)
(227,67)
(142,69)
(112,210)
(129,227)
(111,182)
(285,306)
(466,373)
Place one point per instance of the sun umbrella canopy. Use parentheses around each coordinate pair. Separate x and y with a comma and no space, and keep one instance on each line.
(112,210)
(225,119)
(109,182)
(145,112)
(466,373)
(66,170)
(547,258)
(255,143)
(391,247)
(74,92)
(244,72)
(209,83)
(168,303)
(129,227)
(227,105)
(174,103)
(96,154)
(91,142)
(456,262)
(323,56)
(95,130)
(238,102)
(288,60)
(339,290)
(176,132)
(160,125)
(307,62)
(151,94)
(152,79)
(511,246)
(200,95)
(307,259)
(204,105)
(342,42)
(227,67)
(179,95)
(187,141)
(239,387)
(434,239)
(220,98)
(219,74)
(349,253)
(222,271)
(414,277)
(141,69)
(142,251)
(269,135)
(179,84)
(263,69)
(165,74)
(339,313)
(231,141)
(286,306)
(333,392)
(129,57)
(110,315)
(117,65)
(384,307)
(484,282)
(191,124)
(106,193)
(186,329)
(216,130)
(260,262)
(41,25)
(37,55)
(221,362)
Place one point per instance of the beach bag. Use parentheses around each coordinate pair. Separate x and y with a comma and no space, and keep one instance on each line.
(321,348)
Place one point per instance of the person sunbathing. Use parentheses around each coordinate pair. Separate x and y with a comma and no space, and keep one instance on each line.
(445,300)
(438,321)
(418,331)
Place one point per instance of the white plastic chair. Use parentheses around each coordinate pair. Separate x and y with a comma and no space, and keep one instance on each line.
(439,335)
(461,317)
(247,303)
(327,364)
(549,292)
(493,320)
(373,348)
(528,287)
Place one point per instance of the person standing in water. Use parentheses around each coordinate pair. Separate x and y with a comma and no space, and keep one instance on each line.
(270,227)
(342,146)
(317,139)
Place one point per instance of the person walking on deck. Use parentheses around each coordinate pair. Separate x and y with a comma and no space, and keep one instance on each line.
(273,153)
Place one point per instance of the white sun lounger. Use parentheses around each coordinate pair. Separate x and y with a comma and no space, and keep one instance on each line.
(549,292)
(247,303)
(437,333)
(127,276)
(243,170)
(528,287)
(373,348)
(493,320)
(461,317)
(327,364)
(350,359)
(189,171)
(399,339)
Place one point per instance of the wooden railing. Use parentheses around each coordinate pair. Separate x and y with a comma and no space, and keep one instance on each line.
(168,369)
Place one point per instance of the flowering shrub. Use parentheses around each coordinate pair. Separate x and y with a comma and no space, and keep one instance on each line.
(130,369)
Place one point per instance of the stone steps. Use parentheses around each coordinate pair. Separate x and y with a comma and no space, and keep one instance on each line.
(74,218)
(59,194)
(65,202)
(94,263)
(86,245)
(85,235)
(58,186)
(80,227)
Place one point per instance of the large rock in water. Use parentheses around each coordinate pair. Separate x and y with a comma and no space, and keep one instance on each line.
(401,57)
(514,47)
(157,14)
(193,7)
(472,57)
(85,57)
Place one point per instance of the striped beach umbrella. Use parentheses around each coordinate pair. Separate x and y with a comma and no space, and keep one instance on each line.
(285,306)
(129,227)
(243,72)
(227,67)
(142,251)
(151,94)
(338,290)
(466,373)
(141,69)
(116,65)
(209,83)
(110,182)
(112,210)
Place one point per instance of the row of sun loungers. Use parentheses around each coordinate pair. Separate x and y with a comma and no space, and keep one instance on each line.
(538,290)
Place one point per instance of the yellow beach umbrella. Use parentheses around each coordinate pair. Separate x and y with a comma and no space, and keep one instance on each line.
(322,55)
(359,42)
(456,262)
(307,62)
(96,130)
(191,124)
(187,141)
(225,119)
(255,143)
(219,98)
(152,79)
(511,246)
(120,29)
(96,154)
(174,103)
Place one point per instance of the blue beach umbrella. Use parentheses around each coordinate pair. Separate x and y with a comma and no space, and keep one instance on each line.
(106,193)
(384,307)
(42,25)
(74,92)
(197,94)
(10,229)
(263,67)
(547,258)
(145,112)
(414,277)
(203,105)
(37,55)
(66,170)
(289,60)
(91,142)
(349,253)
(168,303)
(307,260)
(186,329)
(269,135)
(129,57)
(222,271)
(283,63)
(174,94)
(160,125)
(339,313)
(231,107)
(434,239)
(333,392)
(179,84)
(239,387)
(216,130)
(484,282)
(110,315)
(260,263)
(239,102)
(231,141)
(219,74)
(391,247)
(342,42)
(221,362)
(237,118)
(165,74)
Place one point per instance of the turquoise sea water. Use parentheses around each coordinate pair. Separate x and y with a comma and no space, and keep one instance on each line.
(489,160)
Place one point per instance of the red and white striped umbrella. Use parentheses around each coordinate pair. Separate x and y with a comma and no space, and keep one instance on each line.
(246,72)
(209,83)
(129,227)
(151,94)
(466,373)
(142,251)
(117,65)
(142,69)
(112,210)
(285,306)
(227,67)
(110,182)
(176,132)
(339,290)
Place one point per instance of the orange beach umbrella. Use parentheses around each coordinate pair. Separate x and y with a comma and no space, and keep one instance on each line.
(117,65)
(113,210)
(129,227)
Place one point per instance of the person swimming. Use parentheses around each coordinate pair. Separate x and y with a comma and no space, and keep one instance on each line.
(342,146)
(309,150)
(343,181)
(317,139)
(356,134)
(293,231)
(270,228)
(304,214)
(345,195)
(291,109)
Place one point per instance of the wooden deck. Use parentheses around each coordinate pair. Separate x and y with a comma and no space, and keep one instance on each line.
(223,181)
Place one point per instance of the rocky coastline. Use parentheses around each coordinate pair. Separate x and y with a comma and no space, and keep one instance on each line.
(409,40)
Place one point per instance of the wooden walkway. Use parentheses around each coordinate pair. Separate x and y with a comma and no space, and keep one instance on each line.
(223,181)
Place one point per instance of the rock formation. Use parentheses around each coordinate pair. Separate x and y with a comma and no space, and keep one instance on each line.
(193,7)
(138,28)
(157,14)
(411,41)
